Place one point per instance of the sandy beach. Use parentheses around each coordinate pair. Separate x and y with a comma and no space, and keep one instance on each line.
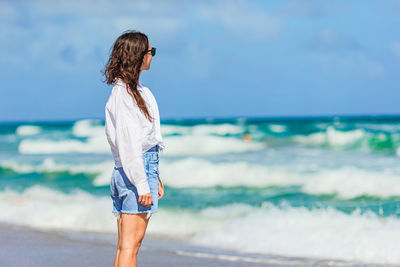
(24,246)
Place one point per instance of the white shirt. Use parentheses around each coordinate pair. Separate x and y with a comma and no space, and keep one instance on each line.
(130,133)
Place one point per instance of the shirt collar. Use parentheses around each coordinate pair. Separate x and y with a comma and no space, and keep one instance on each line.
(139,85)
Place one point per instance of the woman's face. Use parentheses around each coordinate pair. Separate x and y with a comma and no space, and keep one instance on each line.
(147,60)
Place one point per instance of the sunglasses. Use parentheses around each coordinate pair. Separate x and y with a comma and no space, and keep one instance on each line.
(152,50)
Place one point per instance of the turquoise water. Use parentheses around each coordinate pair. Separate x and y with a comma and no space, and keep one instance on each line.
(322,174)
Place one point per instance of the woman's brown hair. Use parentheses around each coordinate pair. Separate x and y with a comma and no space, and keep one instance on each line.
(125,61)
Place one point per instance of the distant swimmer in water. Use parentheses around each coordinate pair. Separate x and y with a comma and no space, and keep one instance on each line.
(246,137)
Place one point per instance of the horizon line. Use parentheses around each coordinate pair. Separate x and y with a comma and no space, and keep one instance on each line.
(212,118)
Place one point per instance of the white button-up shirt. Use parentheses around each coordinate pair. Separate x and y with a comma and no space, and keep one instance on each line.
(130,133)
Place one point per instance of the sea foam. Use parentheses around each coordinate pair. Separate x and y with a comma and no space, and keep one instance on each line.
(345,182)
(277,229)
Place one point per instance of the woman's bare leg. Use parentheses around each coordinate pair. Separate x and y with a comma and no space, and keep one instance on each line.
(132,230)
(118,245)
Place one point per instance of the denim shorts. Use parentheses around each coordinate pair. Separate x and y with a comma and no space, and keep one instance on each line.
(124,194)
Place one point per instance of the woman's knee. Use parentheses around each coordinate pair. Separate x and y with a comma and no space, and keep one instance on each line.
(130,245)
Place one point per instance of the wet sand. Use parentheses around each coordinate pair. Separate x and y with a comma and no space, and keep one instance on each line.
(24,246)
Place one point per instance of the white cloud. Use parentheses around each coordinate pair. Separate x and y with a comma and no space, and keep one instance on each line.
(202,59)
(336,53)
(162,26)
(242,18)
(7,11)
(373,68)
(312,8)
(329,40)
(395,48)
(349,64)
(65,34)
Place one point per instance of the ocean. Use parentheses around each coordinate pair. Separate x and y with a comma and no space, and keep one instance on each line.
(309,187)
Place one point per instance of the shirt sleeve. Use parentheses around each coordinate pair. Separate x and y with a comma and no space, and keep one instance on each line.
(128,140)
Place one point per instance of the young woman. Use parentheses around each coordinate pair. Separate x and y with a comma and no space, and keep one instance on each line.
(132,127)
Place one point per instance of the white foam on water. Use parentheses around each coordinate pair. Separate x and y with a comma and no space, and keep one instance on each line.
(202,129)
(277,128)
(96,141)
(88,127)
(25,130)
(175,145)
(332,138)
(322,125)
(44,208)
(102,170)
(283,229)
(346,182)
(174,129)
(195,172)
(218,129)
(325,233)
(208,145)
(350,182)
(95,144)
(392,128)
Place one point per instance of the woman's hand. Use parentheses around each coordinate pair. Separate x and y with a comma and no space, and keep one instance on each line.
(160,188)
(146,199)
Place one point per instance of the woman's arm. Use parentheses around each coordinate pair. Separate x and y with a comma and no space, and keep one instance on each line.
(128,140)
(160,188)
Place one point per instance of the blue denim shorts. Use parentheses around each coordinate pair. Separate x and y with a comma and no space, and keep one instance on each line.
(124,194)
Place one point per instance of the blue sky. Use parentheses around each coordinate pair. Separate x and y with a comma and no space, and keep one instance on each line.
(214,58)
